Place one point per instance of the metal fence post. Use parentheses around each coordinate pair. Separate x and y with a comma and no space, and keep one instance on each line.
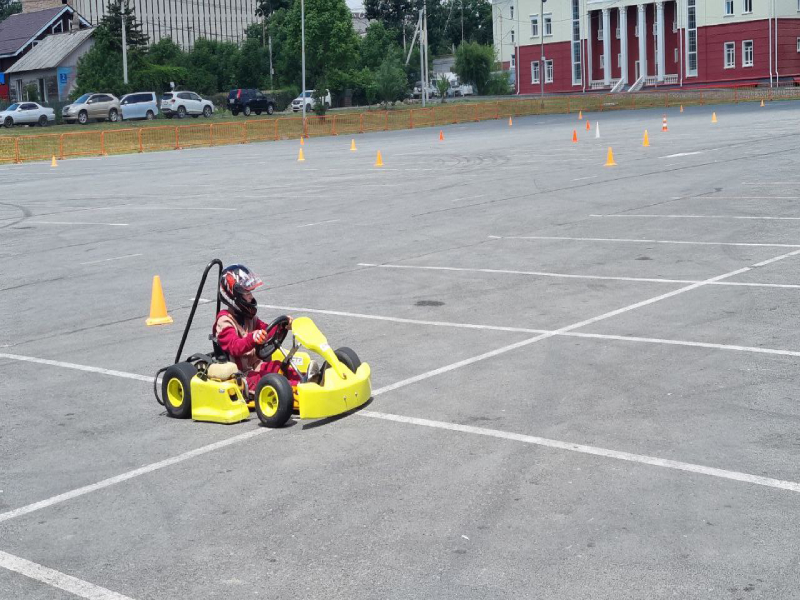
(177,141)
(140,140)
(102,143)
(411,119)
(16,150)
(61,147)
(361,123)
(276,129)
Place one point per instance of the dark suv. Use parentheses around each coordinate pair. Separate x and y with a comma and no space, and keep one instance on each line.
(249,101)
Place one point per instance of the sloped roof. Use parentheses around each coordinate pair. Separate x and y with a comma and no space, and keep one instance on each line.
(51,51)
(20,29)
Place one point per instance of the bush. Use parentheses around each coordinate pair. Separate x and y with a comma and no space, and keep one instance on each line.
(474,64)
(283,97)
(319,96)
(498,84)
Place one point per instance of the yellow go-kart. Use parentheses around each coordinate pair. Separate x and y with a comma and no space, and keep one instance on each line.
(209,387)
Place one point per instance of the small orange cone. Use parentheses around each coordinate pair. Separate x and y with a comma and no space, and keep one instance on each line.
(53,162)
(302,143)
(588,126)
(379,160)
(574,136)
(681,107)
(158,307)
(762,103)
(509,121)
(300,157)
(580,115)
(714,117)
(610,158)
(646,140)
(664,124)
(441,135)
(353,145)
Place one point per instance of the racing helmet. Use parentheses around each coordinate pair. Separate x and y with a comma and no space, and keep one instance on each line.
(234,282)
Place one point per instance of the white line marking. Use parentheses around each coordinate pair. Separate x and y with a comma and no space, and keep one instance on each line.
(791,286)
(584,178)
(66,365)
(780,484)
(635,241)
(318,223)
(682,154)
(744,198)
(56,579)
(771,183)
(701,217)
(74,223)
(82,491)
(94,262)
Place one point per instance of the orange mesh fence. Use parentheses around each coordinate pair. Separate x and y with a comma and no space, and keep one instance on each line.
(398,119)
(487,110)
(290,129)
(347,123)
(190,136)
(85,143)
(38,147)
(317,126)
(159,138)
(121,141)
(422,117)
(260,130)
(374,121)
(8,149)
(228,133)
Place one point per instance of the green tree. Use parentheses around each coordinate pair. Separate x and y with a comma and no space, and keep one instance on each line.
(253,65)
(390,80)
(476,16)
(112,21)
(474,64)
(8,8)
(377,44)
(442,85)
(101,67)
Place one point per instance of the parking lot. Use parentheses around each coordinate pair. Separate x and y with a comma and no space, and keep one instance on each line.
(584,377)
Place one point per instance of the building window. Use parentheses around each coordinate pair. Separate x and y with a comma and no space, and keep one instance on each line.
(636,31)
(602,62)
(619,60)
(513,61)
(798,44)
(728,8)
(535,71)
(618,33)
(577,69)
(534,25)
(600,28)
(548,71)
(58,27)
(512,11)
(747,53)
(676,55)
(548,24)
(747,6)
(691,38)
(512,36)
(730,55)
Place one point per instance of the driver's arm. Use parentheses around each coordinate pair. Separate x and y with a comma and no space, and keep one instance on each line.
(232,344)
(271,332)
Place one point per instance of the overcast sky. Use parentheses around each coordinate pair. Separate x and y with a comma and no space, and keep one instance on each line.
(355,3)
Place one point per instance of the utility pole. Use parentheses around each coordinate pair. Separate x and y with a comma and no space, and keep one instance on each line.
(424,90)
(425,34)
(462,21)
(303,51)
(124,46)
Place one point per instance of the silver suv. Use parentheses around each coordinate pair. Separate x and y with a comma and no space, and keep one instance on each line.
(92,106)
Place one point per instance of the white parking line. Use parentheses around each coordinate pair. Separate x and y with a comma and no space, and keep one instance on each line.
(571,276)
(66,365)
(73,223)
(56,579)
(699,217)
(636,241)
(318,223)
(94,262)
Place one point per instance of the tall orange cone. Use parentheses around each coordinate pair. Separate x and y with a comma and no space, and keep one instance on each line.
(588,125)
(574,135)
(646,140)
(300,157)
(610,158)
(441,135)
(714,117)
(353,145)
(664,124)
(580,115)
(509,121)
(302,143)
(158,307)
(379,160)
(53,162)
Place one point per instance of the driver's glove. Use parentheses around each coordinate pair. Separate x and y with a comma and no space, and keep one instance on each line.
(259,336)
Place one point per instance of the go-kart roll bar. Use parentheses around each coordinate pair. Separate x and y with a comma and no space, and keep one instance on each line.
(217,262)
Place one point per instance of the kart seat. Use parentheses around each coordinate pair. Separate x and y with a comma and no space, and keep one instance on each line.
(222,371)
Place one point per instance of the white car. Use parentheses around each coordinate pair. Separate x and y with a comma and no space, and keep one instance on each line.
(185,103)
(297,103)
(27,113)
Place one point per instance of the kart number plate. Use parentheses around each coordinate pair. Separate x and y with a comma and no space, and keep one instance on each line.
(297,361)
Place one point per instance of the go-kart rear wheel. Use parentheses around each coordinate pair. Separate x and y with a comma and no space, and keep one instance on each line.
(176,390)
(274,400)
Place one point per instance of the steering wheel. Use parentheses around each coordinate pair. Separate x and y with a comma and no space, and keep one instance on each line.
(265,351)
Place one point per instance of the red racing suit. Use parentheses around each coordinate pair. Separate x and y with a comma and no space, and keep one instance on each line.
(236,339)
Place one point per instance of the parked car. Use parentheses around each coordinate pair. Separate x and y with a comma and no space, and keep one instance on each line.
(92,106)
(181,104)
(249,101)
(27,113)
(297,103)
(433,92)
(140,105)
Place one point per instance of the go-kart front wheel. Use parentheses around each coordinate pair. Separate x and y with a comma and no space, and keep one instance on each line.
(177,391)
(348,357)
(274,400)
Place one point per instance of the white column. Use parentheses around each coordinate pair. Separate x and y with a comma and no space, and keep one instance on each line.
(589,34)
(623,34)
(606,47)
(642,41)
(660,31)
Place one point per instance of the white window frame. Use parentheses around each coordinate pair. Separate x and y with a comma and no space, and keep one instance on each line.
(535,26)
(798,45)
(513,61)
(744,53)
(745,7)
(548,24)
(512,12)
(602,62)
(535,71)
(512,37)
(732,47)
(600,29)
(618,33)
(548,71)
(676,55)
(636,31)
(619,60)
(58,27)
(728,8)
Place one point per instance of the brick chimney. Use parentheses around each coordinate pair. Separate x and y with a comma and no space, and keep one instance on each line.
(29,6)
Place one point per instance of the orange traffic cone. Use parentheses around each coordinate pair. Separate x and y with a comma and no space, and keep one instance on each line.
(588,125)
(158,307)
(300,157)
(379,160)
(509,121)
(353,145)
(714,118)
(664,124)
(646,140)
(302,143)
(574,136)
(580,115)
(53,162)
(441,135)
(610,158)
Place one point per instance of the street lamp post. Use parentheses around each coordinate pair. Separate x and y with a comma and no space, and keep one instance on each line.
(303,52)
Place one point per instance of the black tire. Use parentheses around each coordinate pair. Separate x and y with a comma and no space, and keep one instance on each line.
(247,110)
(258,113)
(181,112)
(274,400)
(113,115)
(8,123)
(83,117)
(195,116)
(169,116)
(270,108)
(234,112)
(176,390)
(207,112)
(150,116)
(43,121)
(349,358)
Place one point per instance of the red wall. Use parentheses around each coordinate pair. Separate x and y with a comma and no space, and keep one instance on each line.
(671,66)
(633,44)
(788,56)
(4,90)
(616,45)
(559,53)
(597,45)
(711,52)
